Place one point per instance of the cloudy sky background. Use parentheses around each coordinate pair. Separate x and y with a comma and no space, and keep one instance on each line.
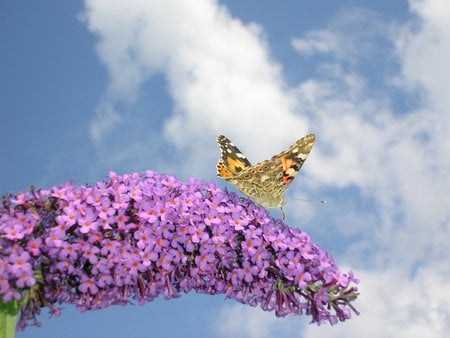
(89,87)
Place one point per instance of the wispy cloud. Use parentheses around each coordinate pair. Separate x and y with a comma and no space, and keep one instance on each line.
(218,72)
(378,103)
(396,159)
(239,321)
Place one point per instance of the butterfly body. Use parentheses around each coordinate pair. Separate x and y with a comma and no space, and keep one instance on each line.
(264,182)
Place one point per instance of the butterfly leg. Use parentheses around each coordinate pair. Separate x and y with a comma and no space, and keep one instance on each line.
(282,213)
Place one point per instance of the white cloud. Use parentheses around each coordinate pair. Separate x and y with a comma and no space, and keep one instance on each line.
(241,321)
(386,154)
(238,320)
(425,49)
(341,40)
(218,74)
(105,120)
(316,42)
(221,79)
(394,303)
(398,161)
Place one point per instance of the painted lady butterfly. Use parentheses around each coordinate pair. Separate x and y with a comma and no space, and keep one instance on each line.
(264,182)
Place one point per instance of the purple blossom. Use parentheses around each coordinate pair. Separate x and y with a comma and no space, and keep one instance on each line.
(88,285)
(247,272)
(25,279)
(139,236)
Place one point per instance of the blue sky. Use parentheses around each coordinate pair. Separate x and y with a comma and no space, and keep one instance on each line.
(89,87)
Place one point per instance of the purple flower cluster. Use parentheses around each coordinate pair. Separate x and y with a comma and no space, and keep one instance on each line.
(143,235)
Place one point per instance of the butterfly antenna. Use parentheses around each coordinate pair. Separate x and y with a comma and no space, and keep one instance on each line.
(305,200)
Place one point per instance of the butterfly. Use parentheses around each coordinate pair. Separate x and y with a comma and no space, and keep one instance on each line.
(264,182)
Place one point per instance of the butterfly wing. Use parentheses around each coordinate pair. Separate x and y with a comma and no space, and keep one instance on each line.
(231,160)
(293,157)
(261,182)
